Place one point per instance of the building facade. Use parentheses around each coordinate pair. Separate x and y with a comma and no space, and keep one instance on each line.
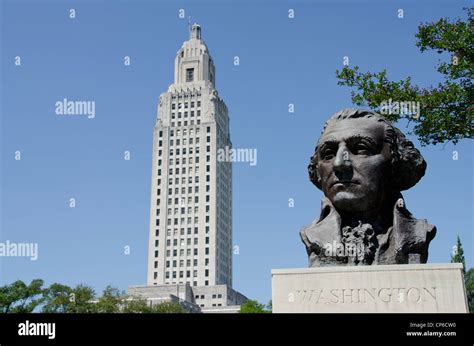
(190,234)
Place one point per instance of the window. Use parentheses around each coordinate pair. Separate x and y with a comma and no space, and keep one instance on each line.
(189,74)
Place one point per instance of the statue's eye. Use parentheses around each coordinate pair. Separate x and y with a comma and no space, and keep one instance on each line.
(361,148)
(328,154)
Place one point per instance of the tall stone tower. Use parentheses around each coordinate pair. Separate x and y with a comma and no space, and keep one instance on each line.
(190,238)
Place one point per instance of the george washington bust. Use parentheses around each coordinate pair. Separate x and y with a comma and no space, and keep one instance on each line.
(362,163)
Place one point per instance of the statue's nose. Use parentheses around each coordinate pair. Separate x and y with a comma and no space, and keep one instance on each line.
(342,162)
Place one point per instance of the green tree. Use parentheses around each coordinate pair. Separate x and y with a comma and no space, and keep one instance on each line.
(458,255)
(446,111)
(21,298)
(254,307)
(168,308)
(136,305)
(469,280)
(111,300)
(58,298)
(82,298)
(270,306)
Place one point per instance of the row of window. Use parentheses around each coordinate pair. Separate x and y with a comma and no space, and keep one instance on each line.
(174,263)
(174,274)
(183,200)
(184,105)
(214,296)
(175,231)
(181,252)
(184,151)
(182,242)
(185,95)
(185,123)
(185,132)
(184,115)
(185,141)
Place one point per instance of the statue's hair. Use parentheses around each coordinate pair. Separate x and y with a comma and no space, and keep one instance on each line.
(408,165)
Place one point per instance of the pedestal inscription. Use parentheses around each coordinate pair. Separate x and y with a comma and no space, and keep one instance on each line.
(382,288)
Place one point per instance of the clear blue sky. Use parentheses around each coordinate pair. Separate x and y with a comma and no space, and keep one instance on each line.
(282,61)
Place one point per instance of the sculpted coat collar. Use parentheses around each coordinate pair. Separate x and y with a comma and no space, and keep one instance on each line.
(405,242)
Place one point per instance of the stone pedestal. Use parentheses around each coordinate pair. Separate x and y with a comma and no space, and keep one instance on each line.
(376,289)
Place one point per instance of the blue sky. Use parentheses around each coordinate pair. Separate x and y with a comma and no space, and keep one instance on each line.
(282,61)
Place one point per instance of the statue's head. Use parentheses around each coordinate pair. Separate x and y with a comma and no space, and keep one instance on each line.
(361,160)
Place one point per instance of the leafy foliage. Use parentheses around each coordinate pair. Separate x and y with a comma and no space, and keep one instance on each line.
(446,110)
(57,298)
(254,307)
(458,255)
(469,279)
(21,298)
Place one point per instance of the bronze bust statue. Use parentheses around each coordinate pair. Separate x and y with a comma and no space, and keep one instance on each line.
(361,163)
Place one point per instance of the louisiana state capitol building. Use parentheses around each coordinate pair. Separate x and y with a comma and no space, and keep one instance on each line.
(190,235)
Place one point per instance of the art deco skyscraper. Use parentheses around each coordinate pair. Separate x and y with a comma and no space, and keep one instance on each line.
(190,237)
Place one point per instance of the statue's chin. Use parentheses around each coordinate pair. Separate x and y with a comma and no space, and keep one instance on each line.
(349,202)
